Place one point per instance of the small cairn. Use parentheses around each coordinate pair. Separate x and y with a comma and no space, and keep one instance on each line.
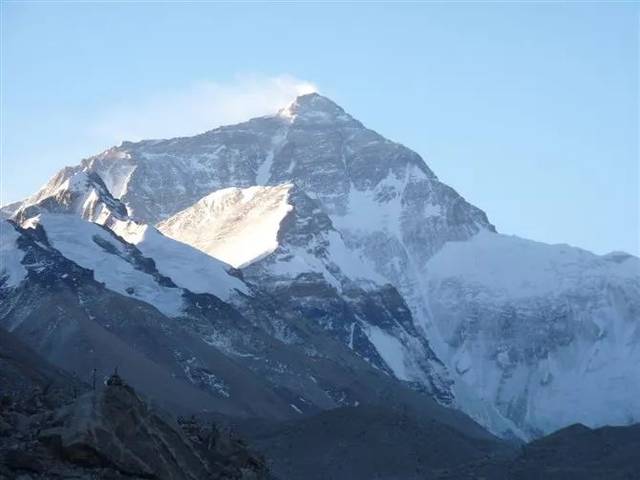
(115,380)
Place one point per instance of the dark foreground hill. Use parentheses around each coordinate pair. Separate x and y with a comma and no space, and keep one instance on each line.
(366,442)
(573,453)
(53,427)
(370,443)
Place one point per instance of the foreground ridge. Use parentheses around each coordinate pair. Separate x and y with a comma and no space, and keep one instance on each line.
(64,430)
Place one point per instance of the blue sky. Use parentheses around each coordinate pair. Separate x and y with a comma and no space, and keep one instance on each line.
(529,110)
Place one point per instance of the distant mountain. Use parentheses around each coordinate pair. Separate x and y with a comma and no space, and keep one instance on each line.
(335,243)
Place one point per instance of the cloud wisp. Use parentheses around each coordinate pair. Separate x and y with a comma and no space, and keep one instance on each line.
(198,108)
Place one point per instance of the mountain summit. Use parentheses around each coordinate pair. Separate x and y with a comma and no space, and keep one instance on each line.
(313,107)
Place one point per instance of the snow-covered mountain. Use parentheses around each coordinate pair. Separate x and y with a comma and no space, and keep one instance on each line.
(75,195)
(85,298)
(319,220)
(186,328)
(76,191)
(285,242)
(379,194)
(550,333)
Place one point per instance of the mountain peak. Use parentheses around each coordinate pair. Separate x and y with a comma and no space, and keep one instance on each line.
(316,101)
(74,190)
(314,107)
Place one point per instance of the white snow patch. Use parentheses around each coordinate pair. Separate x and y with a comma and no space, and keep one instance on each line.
(390,349)
(432,210)
(586,376)
(351,333)
(351,262)
(76,238)
(241,227)
(186,266)
(115,174)
(338,264)
(264,171)
(10,256)
(238,226)
(518,268)
(374,209)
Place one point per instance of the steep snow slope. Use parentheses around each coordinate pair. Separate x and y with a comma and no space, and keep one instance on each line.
(186,266)
(242,226)
(549,333)
(75,194)
(236,225)
(302,260)
(115,263)
(514,267)
(12,272)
